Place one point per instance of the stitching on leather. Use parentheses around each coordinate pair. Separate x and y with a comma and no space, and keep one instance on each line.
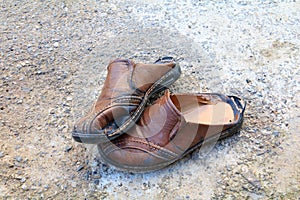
(130,97)
(110,106)
(162,150)
(152,153)
(125,100)
(113,104)
(137,168)
(149,144)
(116,104)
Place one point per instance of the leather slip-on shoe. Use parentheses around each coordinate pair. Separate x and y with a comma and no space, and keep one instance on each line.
(172,127)
(125,92)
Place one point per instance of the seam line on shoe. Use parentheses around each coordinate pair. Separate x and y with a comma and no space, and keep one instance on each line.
(149,144)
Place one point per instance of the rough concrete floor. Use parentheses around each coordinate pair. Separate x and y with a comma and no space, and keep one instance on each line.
(53,57)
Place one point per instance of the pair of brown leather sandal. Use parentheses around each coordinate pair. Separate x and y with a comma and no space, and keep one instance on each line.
(133,137)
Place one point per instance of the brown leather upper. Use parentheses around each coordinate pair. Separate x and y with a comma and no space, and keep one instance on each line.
(124,88)
(165,131)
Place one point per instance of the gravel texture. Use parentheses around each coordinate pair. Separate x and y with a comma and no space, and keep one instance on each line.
(53,58)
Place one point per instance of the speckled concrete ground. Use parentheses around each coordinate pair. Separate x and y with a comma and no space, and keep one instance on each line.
(53,58)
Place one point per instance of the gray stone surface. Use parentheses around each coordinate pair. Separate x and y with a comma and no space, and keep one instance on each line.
(53,57)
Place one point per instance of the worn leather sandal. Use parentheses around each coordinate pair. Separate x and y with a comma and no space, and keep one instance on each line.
(126,90)
(171,128)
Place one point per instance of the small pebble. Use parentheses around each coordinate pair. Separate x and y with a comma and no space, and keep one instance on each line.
(26,89)
(24,187)
(276,133)
(68,148)
(56,44)
(96,182)
(80,168)
(19,158)
(74,184)
(69,98)
(94,164)
(87,175)
(228,168)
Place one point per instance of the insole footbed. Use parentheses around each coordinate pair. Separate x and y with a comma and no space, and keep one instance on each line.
(220,113)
